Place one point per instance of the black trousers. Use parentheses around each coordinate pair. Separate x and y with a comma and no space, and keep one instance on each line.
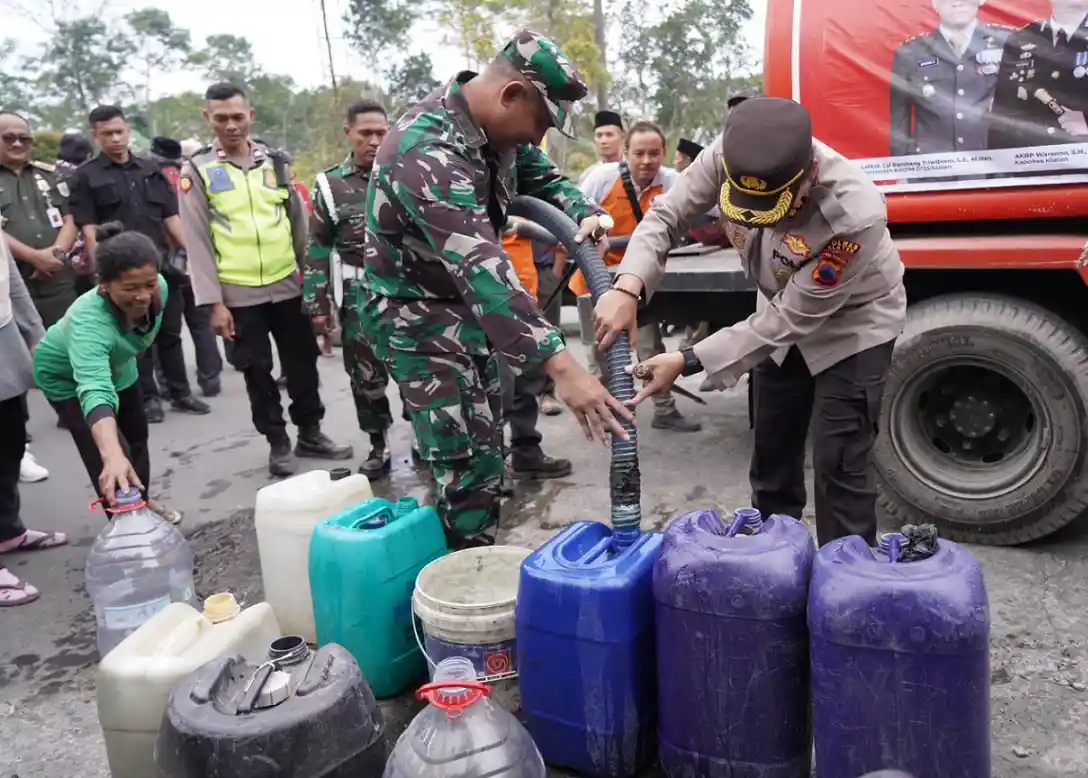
(170,352)
(843,405)
(546,285)
(297,347)
(12,446)
(521,409)
(131,428)
(209,362)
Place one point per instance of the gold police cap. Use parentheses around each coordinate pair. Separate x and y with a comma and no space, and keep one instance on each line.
(766,152)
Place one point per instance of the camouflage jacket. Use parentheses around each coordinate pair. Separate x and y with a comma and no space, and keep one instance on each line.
(347,185)
(436,276)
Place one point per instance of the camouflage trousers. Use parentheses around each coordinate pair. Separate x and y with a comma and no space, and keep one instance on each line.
(369,378)
(455,404)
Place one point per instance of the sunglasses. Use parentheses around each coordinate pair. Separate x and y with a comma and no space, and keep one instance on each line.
(12,139)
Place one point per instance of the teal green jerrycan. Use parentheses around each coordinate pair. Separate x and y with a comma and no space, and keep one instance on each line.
(363,566)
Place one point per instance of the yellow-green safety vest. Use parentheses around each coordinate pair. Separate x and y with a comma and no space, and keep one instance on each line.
(250,224)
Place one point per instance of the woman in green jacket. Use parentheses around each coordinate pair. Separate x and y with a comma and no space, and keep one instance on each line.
(86,365)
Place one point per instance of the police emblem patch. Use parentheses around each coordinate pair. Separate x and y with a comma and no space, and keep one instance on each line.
(185,183)
(751,182)
(62,189)
(796,244)
(219,179)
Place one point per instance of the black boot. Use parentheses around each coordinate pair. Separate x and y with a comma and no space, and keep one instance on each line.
(314,443)
(281,461)
(539,466)
(153,411)
(377,463)
(673,420)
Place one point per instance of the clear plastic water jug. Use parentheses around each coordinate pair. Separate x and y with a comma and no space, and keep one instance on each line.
(462,734)
(138,565)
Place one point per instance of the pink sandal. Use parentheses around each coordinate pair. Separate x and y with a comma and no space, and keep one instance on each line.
(33,540)
(14,592)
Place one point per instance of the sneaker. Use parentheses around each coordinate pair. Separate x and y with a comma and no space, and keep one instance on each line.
(211,388)
(30,472)
(153,411)
(281,460)
(314,443)
(674,420)
(550,406)
(190,404)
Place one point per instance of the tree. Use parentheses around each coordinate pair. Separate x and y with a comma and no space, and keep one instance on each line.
(81,65)
(681,59)
(178,116)
(226,58)
(158,46)
(376,27)
(15,85)
(411,81)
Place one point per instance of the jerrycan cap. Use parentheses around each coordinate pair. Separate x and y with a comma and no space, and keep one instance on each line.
(221,607)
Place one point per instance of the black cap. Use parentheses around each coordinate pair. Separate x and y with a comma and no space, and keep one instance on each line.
(607,119)
(738,98)
(767,151)
(689,148)
(167,148)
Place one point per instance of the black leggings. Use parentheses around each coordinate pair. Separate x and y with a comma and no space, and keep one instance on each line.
(131,428)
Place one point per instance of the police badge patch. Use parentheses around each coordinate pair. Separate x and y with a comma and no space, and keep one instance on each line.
(62,189)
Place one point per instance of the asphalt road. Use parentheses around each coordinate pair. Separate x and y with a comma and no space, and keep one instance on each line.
(211,466)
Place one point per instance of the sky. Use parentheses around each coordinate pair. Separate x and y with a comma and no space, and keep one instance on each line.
(286,35)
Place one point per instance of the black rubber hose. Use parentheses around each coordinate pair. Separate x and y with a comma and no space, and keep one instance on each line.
(533,231)
(625,481)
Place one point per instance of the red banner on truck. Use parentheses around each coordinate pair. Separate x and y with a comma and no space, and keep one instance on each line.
(948,94)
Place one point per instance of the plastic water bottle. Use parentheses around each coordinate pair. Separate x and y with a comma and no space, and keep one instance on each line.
(138,565)
(462,734)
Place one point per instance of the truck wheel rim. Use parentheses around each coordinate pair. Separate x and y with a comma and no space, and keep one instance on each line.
(970,428)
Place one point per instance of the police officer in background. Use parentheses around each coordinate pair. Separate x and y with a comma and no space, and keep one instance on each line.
(811,230)
(1042,91)
(942,82)
(246,232)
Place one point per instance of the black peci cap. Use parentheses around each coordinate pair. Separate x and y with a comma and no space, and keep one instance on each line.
(689,148)
(766,152)
(607,119)
(167,148)
(738,98)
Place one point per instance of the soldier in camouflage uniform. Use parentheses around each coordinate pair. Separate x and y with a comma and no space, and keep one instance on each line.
(443,298)
(338,224)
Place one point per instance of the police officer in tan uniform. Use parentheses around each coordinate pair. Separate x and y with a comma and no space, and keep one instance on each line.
(811,230)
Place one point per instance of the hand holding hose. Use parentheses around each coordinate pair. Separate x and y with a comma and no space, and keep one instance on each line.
(595,228)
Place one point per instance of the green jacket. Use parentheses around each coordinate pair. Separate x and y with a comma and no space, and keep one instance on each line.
(345,234)
(90,354)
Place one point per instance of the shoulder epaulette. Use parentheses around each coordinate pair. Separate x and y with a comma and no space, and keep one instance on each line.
(44,166)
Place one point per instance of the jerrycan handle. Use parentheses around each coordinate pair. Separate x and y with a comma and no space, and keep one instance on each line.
(375,516)
(453,703)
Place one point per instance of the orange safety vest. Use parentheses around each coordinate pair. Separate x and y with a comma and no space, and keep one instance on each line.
(619,208)
(520,251)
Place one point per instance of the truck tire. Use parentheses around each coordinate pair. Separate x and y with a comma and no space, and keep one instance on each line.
(983,428)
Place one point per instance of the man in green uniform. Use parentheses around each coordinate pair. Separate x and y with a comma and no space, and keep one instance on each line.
(34,213)
(333,268)
(442,297)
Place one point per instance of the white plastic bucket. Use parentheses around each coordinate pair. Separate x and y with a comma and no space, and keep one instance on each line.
(465,602)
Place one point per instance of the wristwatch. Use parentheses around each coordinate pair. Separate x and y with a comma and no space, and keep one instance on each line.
(692,365)
(604,224)
(61,254)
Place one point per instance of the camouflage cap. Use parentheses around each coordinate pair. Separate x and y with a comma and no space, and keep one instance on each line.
(552,72)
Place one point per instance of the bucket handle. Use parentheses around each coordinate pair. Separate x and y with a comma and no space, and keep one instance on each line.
(432,664)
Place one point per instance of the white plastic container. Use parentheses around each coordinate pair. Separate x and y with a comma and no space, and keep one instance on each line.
(463,734)
(136,678)
(285,516)
(138,565)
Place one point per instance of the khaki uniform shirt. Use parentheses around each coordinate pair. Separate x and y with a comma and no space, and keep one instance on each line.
(204,267)
(829,275)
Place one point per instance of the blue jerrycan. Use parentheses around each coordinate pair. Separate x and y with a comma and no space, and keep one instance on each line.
(585,642)
(900,658)
(363,566)
(732,646)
